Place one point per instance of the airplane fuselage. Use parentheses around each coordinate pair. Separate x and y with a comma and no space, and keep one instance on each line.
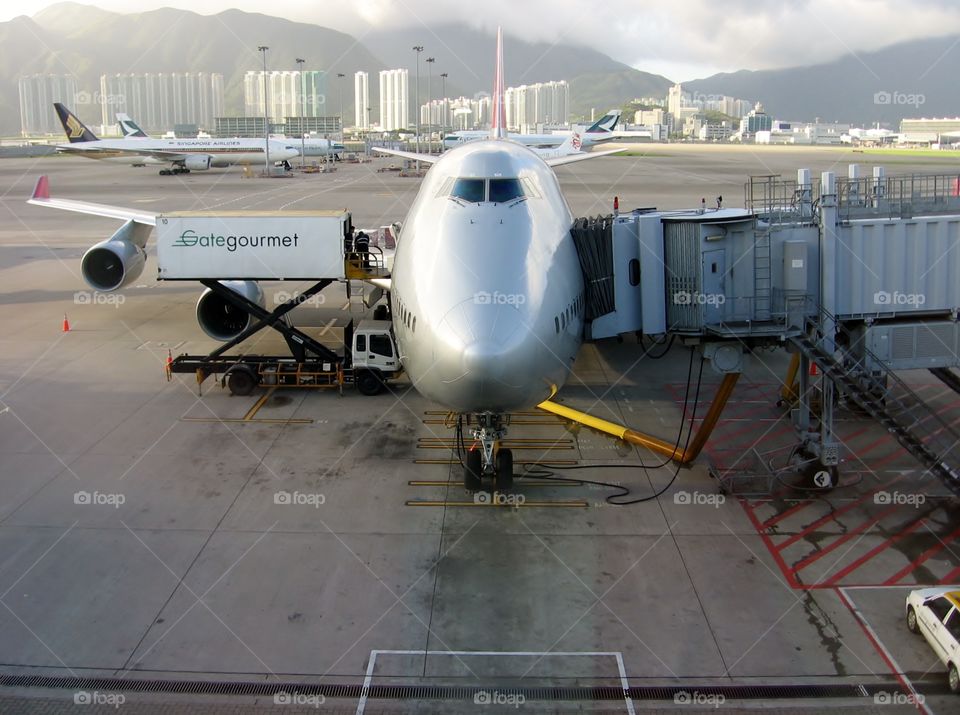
(222,152)
(487,293)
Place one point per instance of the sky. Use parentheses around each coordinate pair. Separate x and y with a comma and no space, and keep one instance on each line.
(681,40)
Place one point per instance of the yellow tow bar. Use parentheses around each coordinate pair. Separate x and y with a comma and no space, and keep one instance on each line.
(684,456)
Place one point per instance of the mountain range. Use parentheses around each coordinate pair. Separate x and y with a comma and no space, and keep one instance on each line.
(87,42)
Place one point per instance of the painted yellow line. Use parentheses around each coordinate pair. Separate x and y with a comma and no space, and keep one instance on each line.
(260,421)
(259,403)
(544,462)
(525,505)
(517,481)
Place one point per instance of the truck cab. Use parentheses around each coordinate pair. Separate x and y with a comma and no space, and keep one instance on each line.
(374,352)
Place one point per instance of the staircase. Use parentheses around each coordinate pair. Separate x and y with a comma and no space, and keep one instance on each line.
(887,399)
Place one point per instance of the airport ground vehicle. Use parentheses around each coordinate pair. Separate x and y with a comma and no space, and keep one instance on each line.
(934,613)
(369,361)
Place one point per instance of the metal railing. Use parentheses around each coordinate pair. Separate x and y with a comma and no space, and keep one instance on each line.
(898,196)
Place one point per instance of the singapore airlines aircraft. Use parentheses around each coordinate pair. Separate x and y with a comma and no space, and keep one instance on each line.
(181,156)
(486,290)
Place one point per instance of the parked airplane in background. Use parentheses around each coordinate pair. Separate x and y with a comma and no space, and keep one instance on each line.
(180,156)
(599,131)
(129,128)
(311,146)
(486,292)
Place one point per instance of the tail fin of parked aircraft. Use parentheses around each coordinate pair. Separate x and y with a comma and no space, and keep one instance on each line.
(75,130)
(498,128)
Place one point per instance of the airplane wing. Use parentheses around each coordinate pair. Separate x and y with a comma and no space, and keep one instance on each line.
(41,197)
(570,158)
(412,155)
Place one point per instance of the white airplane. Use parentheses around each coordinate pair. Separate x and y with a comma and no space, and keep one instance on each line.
(486,293)
(310,146)
(600,131)
(181,156)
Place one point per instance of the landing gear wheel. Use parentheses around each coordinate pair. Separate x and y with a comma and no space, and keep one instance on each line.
(912,624)
(241,380)
(369,384)
(472,471)
(953,678)
(164,172)
(504,478)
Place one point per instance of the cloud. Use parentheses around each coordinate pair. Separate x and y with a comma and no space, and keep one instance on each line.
(689,37)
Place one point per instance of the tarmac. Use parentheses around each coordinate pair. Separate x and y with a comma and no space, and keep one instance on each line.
(155,531)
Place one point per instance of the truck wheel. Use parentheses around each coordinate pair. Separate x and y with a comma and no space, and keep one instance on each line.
(504,479)
(954,679)
(472,471)
(241,380)
(369,384)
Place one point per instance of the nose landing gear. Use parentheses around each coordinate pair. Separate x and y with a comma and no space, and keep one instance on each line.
(487,458)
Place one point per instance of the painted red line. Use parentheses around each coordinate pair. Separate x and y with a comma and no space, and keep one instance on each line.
(887,437)
(926,555)
(777,558)
(901,451)
(951,577)
(907,688)
(854,565)
(856,433)
(844,538)
(832,515)
(785,514)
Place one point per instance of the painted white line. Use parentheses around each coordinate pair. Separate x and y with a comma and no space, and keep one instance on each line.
(919,700)
(621,669)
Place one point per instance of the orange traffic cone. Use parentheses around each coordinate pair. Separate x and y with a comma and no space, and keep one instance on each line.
(813,369)
(66,324)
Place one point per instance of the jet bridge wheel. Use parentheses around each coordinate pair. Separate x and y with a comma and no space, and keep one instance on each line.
(472,471)
(504,476)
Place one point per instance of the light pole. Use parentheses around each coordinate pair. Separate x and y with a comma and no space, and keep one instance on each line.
(446,105)
(266,110)
(340,76)
(430,61)
(418,49)
(303,113)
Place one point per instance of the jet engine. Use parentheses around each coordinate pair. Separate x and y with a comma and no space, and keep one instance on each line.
(118,261)
(222,320)
(197,162)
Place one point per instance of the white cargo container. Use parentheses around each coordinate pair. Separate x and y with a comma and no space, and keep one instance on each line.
(251,245)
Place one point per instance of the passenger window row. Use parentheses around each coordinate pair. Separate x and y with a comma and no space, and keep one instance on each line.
(404,316)
(566,317)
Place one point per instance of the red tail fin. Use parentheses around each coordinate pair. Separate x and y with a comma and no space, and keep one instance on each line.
(498,127)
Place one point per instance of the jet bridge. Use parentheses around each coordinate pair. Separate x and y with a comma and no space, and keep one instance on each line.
(856,275)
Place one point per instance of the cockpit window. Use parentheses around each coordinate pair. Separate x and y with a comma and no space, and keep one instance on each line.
(470,190)
(502,190)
